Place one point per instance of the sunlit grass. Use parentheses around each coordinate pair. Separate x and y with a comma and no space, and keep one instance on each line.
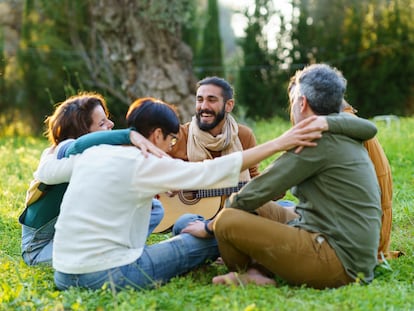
(32,288)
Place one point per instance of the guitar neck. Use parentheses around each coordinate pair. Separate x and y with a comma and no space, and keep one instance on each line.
(206,203)
(207,193)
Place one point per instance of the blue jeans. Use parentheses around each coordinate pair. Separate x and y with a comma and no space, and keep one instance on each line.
(157,265)
(157,214)
(37,244)
(182,222)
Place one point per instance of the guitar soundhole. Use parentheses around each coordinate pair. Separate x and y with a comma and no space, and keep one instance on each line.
(188,197)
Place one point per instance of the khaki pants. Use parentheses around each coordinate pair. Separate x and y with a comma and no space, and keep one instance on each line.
(295,255)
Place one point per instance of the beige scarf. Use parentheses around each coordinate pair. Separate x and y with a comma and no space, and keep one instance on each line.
(200,142)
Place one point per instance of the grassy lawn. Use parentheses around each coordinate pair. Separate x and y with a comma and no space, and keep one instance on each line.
(32,288)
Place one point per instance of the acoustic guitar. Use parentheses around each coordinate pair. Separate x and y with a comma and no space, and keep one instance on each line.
(204,202)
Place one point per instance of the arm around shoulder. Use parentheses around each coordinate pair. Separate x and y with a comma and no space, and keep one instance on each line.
(114,137)
(351,126)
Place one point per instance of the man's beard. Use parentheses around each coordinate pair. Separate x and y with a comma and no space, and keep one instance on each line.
(208,126)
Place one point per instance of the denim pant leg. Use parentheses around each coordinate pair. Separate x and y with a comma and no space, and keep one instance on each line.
(37,244)
(93,280)
(157,214)
(162,261)
(183,221)
(157,265)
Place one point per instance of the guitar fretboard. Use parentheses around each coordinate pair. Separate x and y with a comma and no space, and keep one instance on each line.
(207,193)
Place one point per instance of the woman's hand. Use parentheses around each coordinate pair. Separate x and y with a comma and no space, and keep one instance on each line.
(145,145)
(320,122)
(303,133)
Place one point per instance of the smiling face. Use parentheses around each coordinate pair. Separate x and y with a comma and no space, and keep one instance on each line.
(100,122)
(211,108)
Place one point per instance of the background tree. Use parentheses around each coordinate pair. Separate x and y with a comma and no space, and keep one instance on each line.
(9,14)
(125,49)
(28,61)
(261,81)
(382,76)
(192,28)
(135,49)
(122,49)
(209,60)
(369,41)
(2,68)
(47,65)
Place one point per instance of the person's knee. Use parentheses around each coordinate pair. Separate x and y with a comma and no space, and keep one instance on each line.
(183,221)
(228,218)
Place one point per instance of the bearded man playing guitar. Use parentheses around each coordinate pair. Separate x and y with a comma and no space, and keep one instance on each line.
(212,132)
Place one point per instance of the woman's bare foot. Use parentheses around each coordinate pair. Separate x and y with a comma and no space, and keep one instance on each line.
(252,276)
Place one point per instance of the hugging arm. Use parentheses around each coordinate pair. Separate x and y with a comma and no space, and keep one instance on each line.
(114,137)
(55,168)
(351,126)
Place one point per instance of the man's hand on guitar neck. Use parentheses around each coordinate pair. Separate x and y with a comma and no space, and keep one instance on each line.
(197,229)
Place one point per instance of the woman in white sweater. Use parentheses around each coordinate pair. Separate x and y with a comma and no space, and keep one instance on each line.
(102,228)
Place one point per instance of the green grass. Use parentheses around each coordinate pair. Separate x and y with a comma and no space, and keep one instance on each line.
(32,288)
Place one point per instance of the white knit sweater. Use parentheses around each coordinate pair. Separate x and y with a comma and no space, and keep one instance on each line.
(105,212)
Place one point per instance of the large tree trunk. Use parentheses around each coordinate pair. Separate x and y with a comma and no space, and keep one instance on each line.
(137,51)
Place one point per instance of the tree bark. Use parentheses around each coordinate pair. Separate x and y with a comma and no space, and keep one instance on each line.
(137,51)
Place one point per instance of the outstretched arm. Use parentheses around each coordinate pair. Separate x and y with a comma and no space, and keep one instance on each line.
(302,134)
(115,137)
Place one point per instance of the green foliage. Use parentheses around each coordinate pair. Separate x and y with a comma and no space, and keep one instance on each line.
(370,41)
(32,288)
(60,54)
(192,29)
(44,54)
(261,84)
(209,58)
(167,15)
(2,68)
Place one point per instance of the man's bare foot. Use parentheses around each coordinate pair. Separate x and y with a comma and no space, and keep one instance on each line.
(252,276)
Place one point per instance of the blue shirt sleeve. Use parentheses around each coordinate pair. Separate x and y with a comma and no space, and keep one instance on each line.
(62,150)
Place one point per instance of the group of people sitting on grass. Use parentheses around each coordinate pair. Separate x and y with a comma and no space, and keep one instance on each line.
(98,189)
